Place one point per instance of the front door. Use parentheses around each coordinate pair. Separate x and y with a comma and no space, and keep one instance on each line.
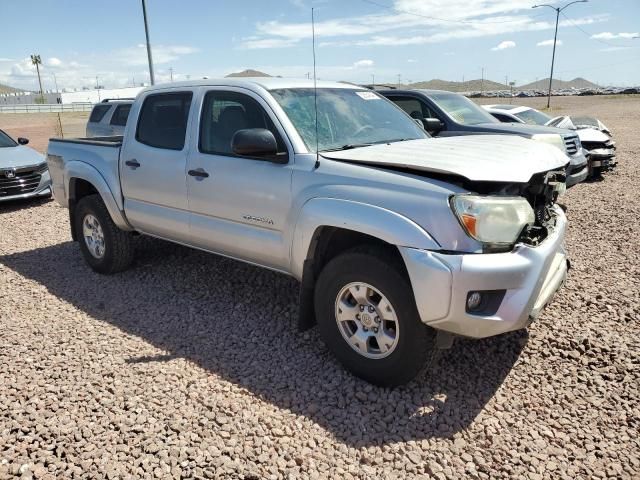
(238,205)
(152,167)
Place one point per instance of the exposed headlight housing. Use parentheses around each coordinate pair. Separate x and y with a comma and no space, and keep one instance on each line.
(493,220)
(550,138)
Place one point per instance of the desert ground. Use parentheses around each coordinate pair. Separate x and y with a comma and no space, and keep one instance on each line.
(189,365)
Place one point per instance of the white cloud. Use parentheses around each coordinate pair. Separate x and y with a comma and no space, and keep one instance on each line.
(441,20)
(548,43)
(504,45)
(612,49)
(611,36)
(412,60)
(137,56)
(363,64)
(260,43)
(115,68)
(4,59)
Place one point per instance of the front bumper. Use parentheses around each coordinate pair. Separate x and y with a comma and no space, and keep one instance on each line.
(578,168)
(529,275)
(43,189)
(602,157)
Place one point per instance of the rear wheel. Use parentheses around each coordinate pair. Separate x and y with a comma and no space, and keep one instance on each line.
(367,317)
(105,247)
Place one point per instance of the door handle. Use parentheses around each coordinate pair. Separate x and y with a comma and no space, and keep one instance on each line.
(200,173)
(133,163)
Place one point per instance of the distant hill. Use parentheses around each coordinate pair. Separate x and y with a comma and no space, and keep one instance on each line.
(248,73)
(471,85)
(8,89)
(558,84)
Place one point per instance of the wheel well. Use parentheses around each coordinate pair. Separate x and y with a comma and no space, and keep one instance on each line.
(78,189)
(328,242)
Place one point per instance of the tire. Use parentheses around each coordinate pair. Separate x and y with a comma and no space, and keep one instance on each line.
(413,342)
(116,252)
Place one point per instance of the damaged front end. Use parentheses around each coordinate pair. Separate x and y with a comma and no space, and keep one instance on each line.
(523,213)
(601,155)
(542,192)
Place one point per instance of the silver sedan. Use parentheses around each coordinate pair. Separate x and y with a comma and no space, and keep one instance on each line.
(23,171)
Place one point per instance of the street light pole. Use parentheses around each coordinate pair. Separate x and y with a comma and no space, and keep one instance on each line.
(555,37)
(146,33)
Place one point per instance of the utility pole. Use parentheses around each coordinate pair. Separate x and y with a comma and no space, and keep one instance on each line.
(146,33)
(555,37)
(482,82)
(171,73)
(35,60)
(399,79)
(373,80)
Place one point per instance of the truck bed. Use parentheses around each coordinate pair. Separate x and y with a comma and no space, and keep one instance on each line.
(95,157)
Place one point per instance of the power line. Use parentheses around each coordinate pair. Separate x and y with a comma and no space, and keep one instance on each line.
(590,35)
(470,22)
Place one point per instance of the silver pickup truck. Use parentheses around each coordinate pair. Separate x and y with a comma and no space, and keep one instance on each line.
(399,240)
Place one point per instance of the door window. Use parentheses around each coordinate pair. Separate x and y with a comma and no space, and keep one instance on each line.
(98,113)
(413,107)
(120,115)
(224,113)
(163,120)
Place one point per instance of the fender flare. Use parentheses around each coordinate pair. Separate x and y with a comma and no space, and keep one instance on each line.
(84,171)
(371,220)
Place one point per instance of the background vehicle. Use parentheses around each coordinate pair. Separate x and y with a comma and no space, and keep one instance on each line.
(393,235)
(23,171)
(109,118)
(447,114)
(594,135)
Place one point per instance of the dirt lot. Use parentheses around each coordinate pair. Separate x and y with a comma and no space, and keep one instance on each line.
(39,127)
(190,365)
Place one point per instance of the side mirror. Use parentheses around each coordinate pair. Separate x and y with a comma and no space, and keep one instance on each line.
(23,141)
(255,142)
(432,125)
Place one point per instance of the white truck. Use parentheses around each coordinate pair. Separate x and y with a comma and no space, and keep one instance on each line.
(399,240)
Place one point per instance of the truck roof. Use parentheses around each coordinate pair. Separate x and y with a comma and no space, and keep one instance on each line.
(268,83)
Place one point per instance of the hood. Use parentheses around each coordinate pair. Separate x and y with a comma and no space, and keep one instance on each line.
(592,135)
(523,129)
(20,156)
(487,158)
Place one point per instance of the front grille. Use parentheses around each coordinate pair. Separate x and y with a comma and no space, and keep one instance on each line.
(20,181)
(571,144)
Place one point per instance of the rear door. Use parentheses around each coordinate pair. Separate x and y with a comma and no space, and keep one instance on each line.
(240,208)
(153,163)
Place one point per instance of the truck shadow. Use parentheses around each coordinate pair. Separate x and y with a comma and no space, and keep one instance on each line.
(239,322)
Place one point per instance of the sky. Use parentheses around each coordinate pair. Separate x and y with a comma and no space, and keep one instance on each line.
(356,40)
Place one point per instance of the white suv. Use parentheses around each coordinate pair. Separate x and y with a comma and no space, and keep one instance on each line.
(109,117)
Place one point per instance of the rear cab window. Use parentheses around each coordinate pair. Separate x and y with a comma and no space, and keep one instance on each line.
(98,113)
(163,118)
(120,115)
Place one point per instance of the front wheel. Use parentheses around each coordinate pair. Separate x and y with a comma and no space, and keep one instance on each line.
(105,247)
(368,318)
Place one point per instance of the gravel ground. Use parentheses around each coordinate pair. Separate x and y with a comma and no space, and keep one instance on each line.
(190,365)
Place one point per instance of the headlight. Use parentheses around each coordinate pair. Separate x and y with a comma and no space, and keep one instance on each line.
(492,219)
(550,138)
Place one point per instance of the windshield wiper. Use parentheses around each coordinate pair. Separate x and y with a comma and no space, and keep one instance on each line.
(348,146)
